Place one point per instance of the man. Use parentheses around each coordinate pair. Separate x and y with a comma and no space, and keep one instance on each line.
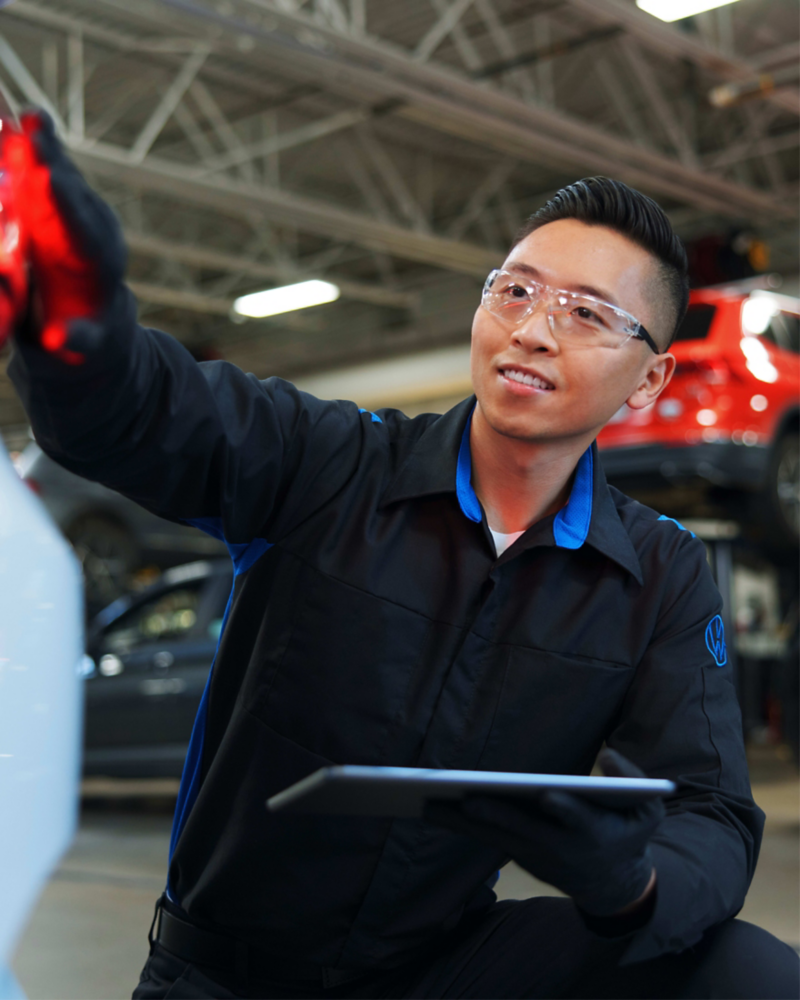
(460,591)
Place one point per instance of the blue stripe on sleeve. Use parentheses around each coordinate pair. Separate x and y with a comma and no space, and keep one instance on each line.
(663,517)
(243,555)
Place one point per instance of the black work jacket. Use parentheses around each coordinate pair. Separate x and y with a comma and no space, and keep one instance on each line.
(372,623)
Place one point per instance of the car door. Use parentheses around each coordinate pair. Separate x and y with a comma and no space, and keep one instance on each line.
(181,664)
(152,663)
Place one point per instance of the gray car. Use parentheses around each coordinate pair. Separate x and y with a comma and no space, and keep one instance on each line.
(113,537)
(151,654)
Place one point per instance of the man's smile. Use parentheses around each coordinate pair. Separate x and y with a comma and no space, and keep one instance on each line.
(524,381)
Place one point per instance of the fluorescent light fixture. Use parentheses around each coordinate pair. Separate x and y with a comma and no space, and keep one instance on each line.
(287,298)
(676,10)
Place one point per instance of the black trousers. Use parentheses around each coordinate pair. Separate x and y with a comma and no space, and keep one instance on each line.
(530,948)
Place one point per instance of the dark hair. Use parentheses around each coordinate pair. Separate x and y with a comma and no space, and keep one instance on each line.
(601,201)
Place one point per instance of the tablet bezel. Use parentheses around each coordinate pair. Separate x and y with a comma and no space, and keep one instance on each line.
(360,790)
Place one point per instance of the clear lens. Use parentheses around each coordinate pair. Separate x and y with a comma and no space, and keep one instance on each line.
(581,318)
(507,296)
(587,320)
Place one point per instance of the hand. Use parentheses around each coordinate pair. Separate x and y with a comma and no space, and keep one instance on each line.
(68,235)
(597,854)
(13,265)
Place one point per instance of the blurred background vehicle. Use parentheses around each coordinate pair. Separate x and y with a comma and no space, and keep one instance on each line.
(113,537)
(720,451)
(151,655)
(724,438)
(41,671)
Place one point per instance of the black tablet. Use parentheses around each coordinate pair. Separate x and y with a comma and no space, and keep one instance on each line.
(353,790)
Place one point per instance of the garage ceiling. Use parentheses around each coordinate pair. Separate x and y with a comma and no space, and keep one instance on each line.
(392,147)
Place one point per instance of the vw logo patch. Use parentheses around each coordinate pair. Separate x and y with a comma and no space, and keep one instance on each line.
(715,640)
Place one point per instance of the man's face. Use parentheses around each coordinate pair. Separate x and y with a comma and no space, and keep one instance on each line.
(588,383)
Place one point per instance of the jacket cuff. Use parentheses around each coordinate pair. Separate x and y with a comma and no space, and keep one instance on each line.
(667,929)
(625,925)
(107,348)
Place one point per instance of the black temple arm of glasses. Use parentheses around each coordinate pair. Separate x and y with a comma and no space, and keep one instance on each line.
(642,334)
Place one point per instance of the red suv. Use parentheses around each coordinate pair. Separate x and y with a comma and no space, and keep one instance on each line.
(728,424)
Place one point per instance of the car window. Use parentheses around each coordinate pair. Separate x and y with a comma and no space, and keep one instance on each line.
(168,616)
(697,322)
(784,332)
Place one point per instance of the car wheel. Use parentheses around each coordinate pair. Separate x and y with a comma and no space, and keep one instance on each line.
(780,501)
(108,555)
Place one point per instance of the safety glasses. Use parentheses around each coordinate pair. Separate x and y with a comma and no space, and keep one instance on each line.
(573,318)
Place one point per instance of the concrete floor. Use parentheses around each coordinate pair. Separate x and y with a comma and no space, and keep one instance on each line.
(87,938)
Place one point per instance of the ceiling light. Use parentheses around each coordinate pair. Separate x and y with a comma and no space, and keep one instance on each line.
(676,10)
(287,298)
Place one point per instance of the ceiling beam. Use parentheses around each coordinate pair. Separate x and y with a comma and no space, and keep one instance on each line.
(441,29)
(480,197)
(754,146)
(168,52)
(21,76)
(291,138)
(506,46)
(685,185)
(651,88)
(461,40)
(661,37)
(215,260)
(392,178)
(780,56)
(245,200)
(175,298)
(447,101)
(453,103)
(167,105)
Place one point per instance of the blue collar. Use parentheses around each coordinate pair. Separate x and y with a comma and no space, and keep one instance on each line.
(439,461)
(467,498)
(572,522)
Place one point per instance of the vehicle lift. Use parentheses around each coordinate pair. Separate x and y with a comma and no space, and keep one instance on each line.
(764,665)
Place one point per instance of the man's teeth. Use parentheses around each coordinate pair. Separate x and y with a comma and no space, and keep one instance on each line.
(526,379)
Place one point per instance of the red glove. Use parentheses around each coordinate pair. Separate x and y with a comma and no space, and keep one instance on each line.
(61,224)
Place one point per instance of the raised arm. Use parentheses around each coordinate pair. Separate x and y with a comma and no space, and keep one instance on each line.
(129,407)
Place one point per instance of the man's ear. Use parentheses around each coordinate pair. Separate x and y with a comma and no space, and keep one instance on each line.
(657,377)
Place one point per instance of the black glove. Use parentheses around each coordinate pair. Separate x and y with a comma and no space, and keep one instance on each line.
(596,854)
(72,240)
(96,235)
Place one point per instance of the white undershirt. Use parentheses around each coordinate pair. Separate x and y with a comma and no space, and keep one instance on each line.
(502,542)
